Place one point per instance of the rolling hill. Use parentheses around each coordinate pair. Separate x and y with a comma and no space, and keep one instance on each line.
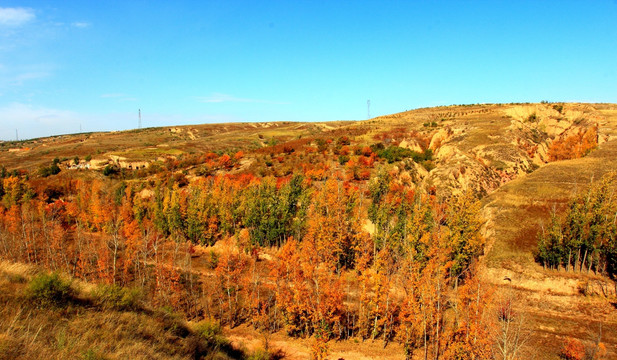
(521,160)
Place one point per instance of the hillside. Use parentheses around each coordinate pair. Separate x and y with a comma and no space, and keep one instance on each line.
(87,323)
(199,198)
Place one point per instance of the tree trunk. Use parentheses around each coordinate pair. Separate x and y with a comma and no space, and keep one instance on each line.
(385,325)
(584,259)
(115,258)
(569,257)
(426,339)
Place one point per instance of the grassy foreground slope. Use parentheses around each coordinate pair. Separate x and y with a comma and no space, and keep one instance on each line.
(83,324)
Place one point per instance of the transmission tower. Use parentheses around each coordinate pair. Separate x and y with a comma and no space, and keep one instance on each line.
(139,123)
(368,109)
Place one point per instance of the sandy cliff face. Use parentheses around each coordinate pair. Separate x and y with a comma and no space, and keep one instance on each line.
(483,148)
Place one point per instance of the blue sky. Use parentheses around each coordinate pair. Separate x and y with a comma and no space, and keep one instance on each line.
(66,64)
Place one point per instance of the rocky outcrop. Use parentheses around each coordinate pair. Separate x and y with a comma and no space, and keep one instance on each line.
(411,144)
(98,164)
(440,137)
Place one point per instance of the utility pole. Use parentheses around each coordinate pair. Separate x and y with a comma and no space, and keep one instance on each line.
(368,109)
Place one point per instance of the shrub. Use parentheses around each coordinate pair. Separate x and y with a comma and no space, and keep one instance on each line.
(428,165)
(558,107)
(265,352)
(54,169)
(375,148)
(49,289)
(117,298)
(573,349)
(208,329)
(395,153)
(213,260)
(109,170)
(44,171)
(322,145)
(211,332)
(343,140)
(260,354)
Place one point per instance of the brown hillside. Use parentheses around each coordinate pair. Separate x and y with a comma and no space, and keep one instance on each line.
(516,212)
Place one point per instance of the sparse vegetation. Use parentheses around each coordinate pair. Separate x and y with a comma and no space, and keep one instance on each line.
(117,298)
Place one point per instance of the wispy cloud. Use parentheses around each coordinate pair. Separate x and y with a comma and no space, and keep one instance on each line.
(19,79)
(35,121)
(81,24)
(18,75)
(15,16)
(222,98)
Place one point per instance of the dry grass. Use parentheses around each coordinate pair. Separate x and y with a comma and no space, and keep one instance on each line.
(245,336)
(82,330)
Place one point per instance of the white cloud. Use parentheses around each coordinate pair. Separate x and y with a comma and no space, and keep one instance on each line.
(81,24)
(15,16)
(221,98)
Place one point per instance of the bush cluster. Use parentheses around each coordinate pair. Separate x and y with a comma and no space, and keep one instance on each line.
(53,169)
(395,153)
(49,289)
